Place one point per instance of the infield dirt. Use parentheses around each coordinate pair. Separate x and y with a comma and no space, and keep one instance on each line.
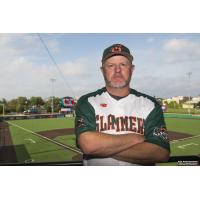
(69,131)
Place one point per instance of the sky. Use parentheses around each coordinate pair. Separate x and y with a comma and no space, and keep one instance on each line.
(162,62)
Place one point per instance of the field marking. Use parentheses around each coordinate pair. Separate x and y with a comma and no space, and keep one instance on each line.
(189,144)
(29,161)
(46,138)
(31,140)
(174,141)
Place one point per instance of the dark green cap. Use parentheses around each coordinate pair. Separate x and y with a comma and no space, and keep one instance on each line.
(116,49)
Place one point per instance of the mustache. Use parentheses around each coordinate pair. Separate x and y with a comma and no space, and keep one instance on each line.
(117,75)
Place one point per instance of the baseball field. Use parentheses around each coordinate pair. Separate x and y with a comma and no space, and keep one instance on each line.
(190,143)
(40,140)
(53,140)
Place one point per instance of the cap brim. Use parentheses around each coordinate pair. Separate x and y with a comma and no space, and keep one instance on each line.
(128,56)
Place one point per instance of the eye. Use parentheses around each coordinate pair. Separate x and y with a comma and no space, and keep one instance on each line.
(123,64)
(110,65)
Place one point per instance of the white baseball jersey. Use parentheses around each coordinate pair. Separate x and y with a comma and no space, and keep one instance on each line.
(135,113)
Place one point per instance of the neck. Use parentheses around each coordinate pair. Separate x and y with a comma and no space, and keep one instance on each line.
(121,92)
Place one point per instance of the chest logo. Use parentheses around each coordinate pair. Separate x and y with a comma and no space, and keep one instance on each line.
(103,105)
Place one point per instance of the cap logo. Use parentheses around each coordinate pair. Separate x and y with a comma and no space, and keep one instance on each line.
(116,49)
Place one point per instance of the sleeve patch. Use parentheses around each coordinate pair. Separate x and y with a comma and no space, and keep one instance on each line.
(80,123)
(161,132)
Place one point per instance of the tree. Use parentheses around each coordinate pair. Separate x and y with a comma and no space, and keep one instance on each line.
(4,102)
(197,105)
(56,103)
(36,101)
(173,104)
(12,105)
(21,104)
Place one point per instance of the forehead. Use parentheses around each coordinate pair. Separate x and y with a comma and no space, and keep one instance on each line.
(117,58)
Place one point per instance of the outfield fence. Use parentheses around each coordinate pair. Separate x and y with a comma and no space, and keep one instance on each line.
(32,116)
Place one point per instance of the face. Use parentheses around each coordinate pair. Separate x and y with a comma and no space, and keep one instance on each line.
(117,71)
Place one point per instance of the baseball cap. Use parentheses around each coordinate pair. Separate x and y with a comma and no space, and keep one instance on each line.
(116,49)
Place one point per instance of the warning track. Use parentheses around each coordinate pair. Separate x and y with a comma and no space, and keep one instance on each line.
(7,150)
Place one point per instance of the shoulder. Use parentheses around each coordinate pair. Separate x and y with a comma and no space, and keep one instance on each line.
(144,97)
(84,99)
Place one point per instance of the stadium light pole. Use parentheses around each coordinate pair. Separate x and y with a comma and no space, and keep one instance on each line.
(189,75)
(52,106)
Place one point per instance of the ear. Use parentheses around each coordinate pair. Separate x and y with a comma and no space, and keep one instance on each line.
(101,69)
(133,68)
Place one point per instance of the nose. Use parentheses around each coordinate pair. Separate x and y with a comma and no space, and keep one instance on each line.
(117,68)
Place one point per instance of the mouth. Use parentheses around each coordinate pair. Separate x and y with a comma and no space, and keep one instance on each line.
(118,78)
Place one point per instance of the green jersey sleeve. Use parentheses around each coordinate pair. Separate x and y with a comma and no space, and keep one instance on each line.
(85,117)
(155,130)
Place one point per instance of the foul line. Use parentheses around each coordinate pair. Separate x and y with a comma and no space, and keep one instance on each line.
(174,141)
(184,145)
(31,140)
(46,138)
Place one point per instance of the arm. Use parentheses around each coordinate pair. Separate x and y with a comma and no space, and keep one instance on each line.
(95,143)
(126,147)
(106,145)
(155,148)
(143,153)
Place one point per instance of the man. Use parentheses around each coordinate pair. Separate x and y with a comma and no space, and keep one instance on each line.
(117,125)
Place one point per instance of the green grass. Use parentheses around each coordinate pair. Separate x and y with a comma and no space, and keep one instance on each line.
(29,146)
(44,151)
(67,139)
(182,110)
(184,147)
(187,147)
(191,126)
(37,125)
